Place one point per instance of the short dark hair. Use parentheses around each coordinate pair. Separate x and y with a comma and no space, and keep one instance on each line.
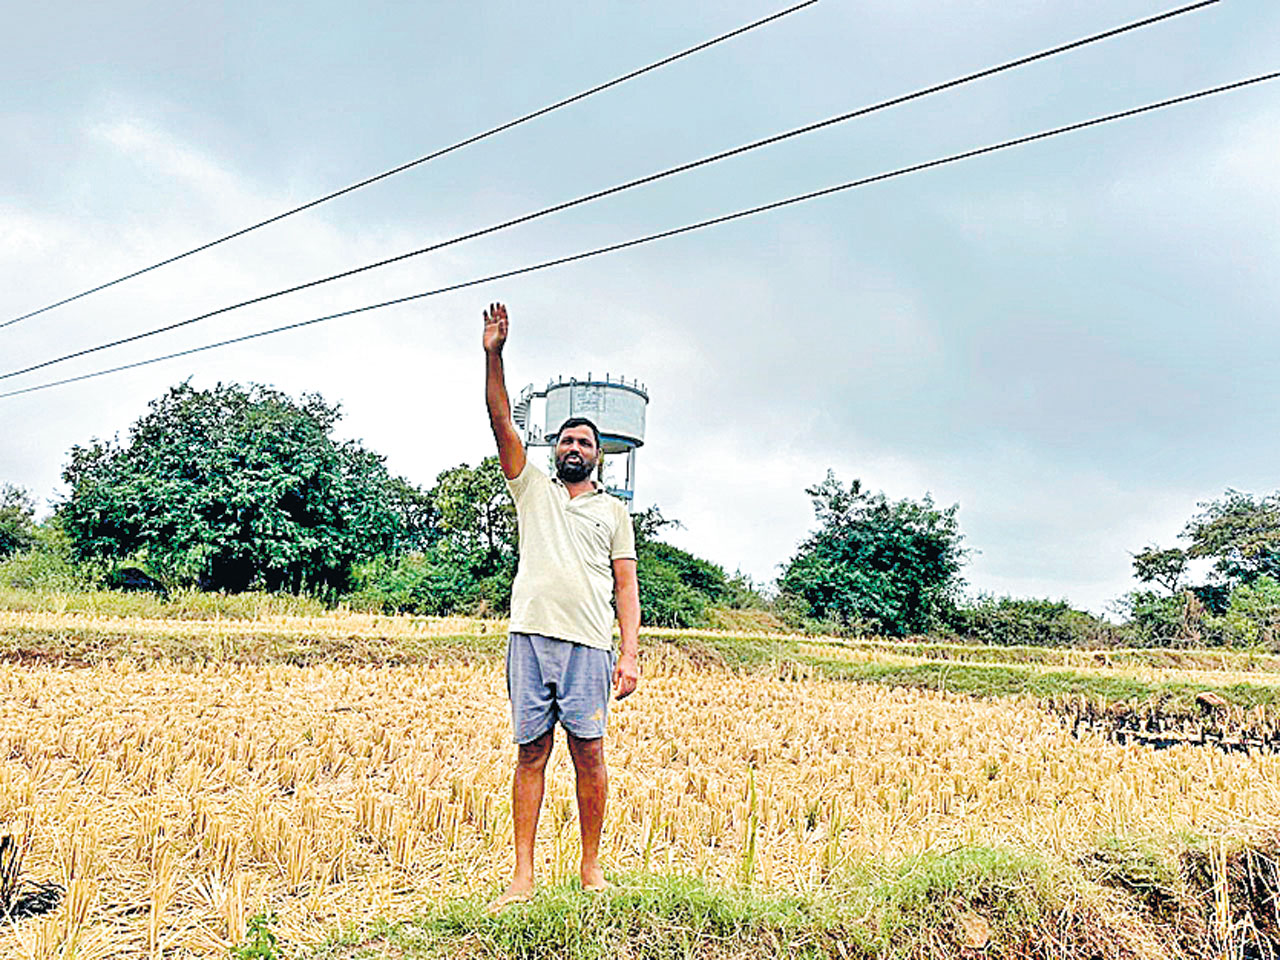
(580,422)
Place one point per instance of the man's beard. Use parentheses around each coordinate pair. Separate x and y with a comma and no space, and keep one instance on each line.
(572,469)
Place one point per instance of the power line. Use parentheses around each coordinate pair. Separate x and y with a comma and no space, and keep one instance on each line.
(809,128)
(688,228)
(493,131)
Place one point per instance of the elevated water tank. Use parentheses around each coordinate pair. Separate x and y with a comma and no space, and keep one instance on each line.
(616,407)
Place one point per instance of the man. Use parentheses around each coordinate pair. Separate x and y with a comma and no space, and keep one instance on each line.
(577,547)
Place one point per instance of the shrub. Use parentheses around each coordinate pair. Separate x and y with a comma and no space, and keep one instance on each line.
(442,580)
(676,588)
(1253,615)
(665,599)
(695,573)
(1157,620)
(17,520)
(49,563)
(1006,621)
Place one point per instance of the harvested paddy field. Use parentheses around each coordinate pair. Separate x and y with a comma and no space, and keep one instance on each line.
(349,777)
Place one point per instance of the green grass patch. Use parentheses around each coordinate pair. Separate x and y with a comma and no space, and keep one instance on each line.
(1143,868)
(1007,680)
(646,918)
(1115,901)
(755,645)
(1012,891)
(886,910)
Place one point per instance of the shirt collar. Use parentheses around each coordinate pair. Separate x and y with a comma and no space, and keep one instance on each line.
(595,488)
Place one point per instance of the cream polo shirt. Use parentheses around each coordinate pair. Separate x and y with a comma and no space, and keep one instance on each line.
(564,583)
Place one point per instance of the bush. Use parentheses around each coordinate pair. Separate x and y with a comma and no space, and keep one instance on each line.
(17,520)
(678,589)
(1253,615)
(699,575)
(441,581)
(665,599)
(49,563)
(1247,616)
(1006,621)
(743,593)
(1157,620)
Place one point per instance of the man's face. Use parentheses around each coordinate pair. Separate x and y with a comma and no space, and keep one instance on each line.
(576,454)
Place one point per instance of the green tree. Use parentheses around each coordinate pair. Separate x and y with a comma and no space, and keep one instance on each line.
(234,488)
(1163,567)
(1241,534)
(17,520)
(462,560)
(473,561)
(416,511)
(473,510)
(874,564)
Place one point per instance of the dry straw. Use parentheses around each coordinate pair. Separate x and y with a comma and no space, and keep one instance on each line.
(176,802)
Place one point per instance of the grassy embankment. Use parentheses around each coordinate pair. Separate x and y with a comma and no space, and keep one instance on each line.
(973,902)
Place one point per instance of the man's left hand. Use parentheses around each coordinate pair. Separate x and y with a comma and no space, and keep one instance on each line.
(626,675)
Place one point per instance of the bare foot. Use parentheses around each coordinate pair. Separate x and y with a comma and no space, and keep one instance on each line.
(593,880)
(520,891)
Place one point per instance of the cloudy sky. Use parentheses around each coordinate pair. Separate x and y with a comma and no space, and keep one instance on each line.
(1074,340)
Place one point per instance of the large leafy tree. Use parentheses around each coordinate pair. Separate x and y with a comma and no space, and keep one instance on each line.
(886,566)
(473,559)
(1241,534)
(238,487)
(473,510)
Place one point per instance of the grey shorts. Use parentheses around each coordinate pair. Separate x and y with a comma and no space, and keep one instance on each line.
(550,680)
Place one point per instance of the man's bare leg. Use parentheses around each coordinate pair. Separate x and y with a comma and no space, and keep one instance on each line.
(593,787)
(526,803)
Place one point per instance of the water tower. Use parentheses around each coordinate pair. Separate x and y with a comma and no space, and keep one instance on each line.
(615,405)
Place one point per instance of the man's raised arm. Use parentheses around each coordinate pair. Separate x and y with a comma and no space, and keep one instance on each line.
(510,449)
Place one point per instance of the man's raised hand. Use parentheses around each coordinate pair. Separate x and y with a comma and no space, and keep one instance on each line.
(510,447)
(495,328)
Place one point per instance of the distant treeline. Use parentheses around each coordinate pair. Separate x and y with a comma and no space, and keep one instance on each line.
(240,489)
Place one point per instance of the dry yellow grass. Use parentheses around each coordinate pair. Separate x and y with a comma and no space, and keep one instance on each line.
(175,802)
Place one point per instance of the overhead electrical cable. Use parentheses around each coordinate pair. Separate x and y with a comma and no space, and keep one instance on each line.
(560,261)
(630,184)
(493,131)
